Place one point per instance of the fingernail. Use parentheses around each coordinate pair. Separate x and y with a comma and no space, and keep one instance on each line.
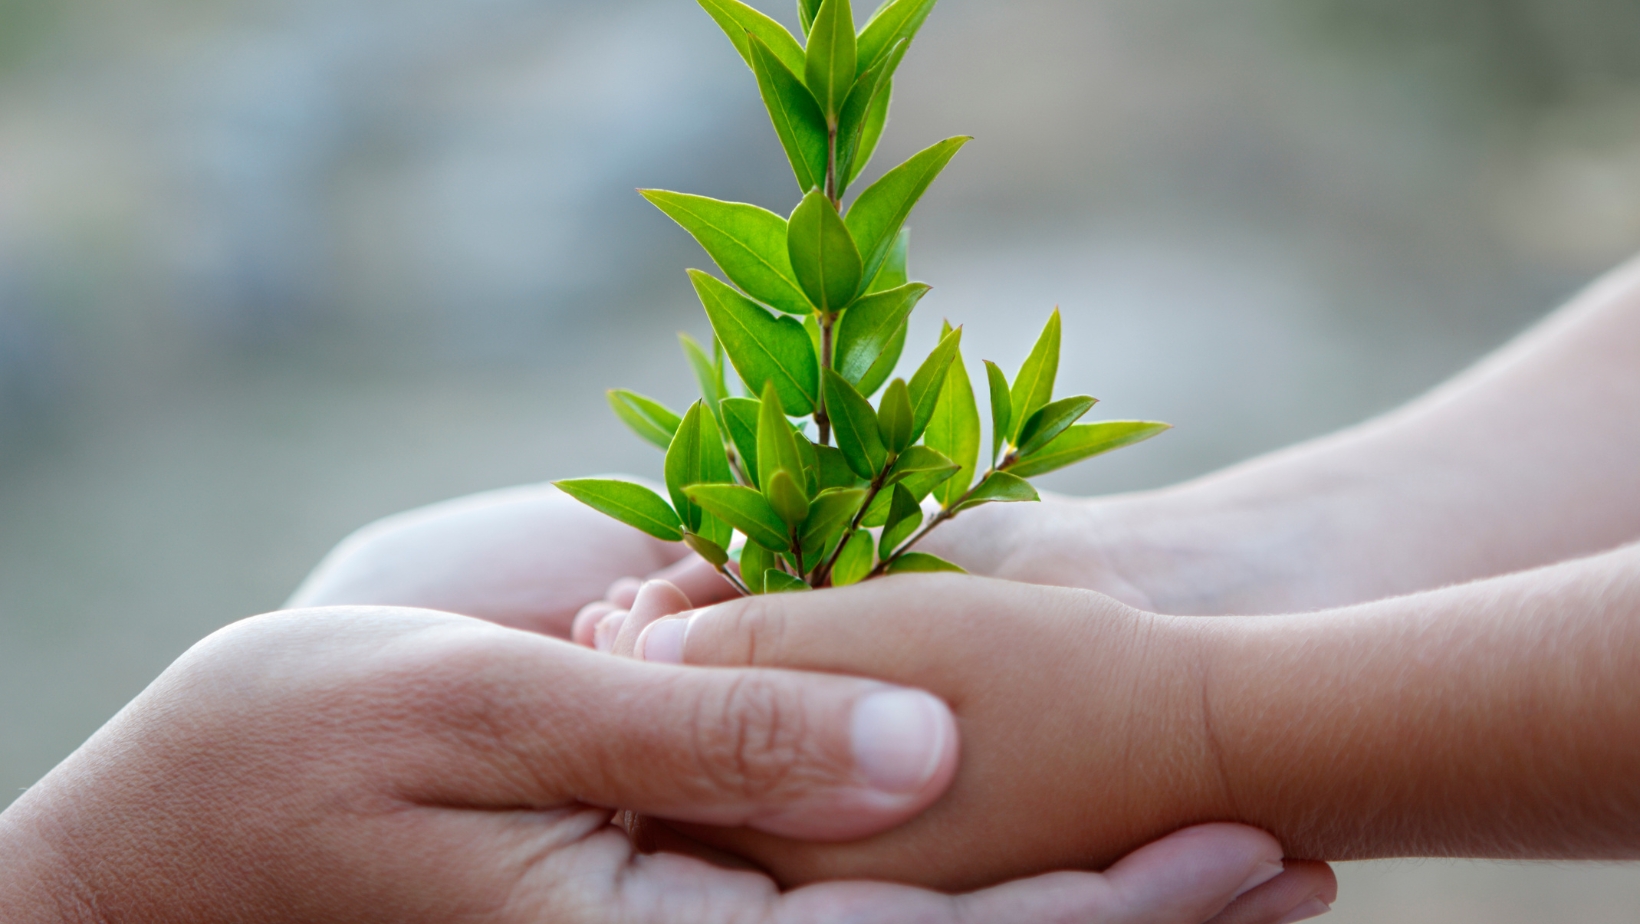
(1264,873)
(609,629)
(1314,908)
(899,739)
(662,642)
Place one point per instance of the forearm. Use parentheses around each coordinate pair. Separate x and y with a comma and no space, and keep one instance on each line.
(37,885)
(1499,719)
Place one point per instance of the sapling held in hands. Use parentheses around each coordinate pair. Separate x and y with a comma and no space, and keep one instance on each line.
(813,320)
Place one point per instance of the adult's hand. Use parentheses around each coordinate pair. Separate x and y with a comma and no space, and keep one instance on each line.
(362,765)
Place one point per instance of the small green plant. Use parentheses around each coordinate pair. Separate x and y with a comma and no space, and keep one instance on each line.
(846,503)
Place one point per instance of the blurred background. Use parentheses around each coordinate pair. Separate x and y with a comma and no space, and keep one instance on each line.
(270,270)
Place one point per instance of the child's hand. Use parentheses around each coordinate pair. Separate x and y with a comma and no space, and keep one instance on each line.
(1081,722)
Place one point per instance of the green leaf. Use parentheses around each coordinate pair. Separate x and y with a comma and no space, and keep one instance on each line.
(895,271)
(1033,388)
(894,22)
(955,431)
(904,517)
(1001,488)
(634,505)
(748,243)
(835,471)
(855,425)
(762,347)
(776,444)
(922,563)
(869,328)
(755,562)
(806,11)
(740,419)
(787,498)
(864,114)
(1045,425)
(779,582)
(696,456)
(708,375)
(919,461)
(856,561)
(929,382)
(829,69)
(1002,408)
(829,517)
(823,254)
(797,118)
(716,555)
(810,456)
(877,512)
(738,20)
(650,419)
(745,510)
(894,417)
(876,217)
(1085,442)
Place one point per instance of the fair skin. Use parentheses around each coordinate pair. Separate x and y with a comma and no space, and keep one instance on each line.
(382,765)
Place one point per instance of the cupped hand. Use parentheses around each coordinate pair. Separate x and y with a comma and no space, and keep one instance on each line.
(1083,724)
(355,765)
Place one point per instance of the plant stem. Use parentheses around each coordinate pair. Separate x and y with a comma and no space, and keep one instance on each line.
(734,581)
(822,420)
(823,574)
(944,516)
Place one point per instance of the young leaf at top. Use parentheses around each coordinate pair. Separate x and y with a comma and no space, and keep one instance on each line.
(1002,408)
(822,253)
(955,431)
(876,217)
(1001,488)
(745,510)
(894,22)
(650,419)
(787,498)
(829,68)
(896,269)
(1045,425)
(806,11)
(919,461)
(634,505)
(779,582)
(855,424)
(869,328)
(872,134)
(776,444)
(762,347)
(740,420)
(696,456)
(797,118)
(739,20)
(929,382)
(904,517)
(755,562)
(856,560)
(858,118)
(894,417)
(922,563)
(748,243)
(829,516)
(708,375)
(1085,442)
(1033,388)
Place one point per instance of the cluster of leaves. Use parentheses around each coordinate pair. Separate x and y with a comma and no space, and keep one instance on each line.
(815,514)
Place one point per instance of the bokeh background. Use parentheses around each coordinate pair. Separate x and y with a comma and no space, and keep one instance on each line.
(270,270)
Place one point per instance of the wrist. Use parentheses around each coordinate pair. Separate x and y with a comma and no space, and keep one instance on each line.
(38,883)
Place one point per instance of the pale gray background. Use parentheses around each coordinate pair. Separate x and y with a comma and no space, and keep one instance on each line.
(269,270)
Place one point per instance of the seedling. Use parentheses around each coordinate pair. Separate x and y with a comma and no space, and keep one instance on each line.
(825,488)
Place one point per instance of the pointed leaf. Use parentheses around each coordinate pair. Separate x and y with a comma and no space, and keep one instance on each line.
(1002,408)
(834,469)
(797,118)
(737,20)
(779,582)
(829,70)
(708,375)
(745,510)
(869,328)
(894,417)
(929,382)
(714,553)
(921,461)
(740,419)
(904,517)
(806,11)
(872,134)
(776,443)
(922,563)
(634,505)
(829,517)
(877,511)
(955,431)
(1085,442)
(895,271)
(864,113)
(648,418)
(762,347)
(876,217)
(696,456)
(855,424)
(746,242)
(755,562)
(856,561)
(1001,488)
(886,364)
(1045,425)
(823,254)
(1033,388)
(787,498)
(894,22)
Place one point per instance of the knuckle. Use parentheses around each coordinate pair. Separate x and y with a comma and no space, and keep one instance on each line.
(753,737)
(749,633)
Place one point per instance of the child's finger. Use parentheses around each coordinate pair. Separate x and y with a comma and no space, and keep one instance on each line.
(1305,890)
(609,628)
(583,630)
(624,592)
(698,580)
(657,599)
